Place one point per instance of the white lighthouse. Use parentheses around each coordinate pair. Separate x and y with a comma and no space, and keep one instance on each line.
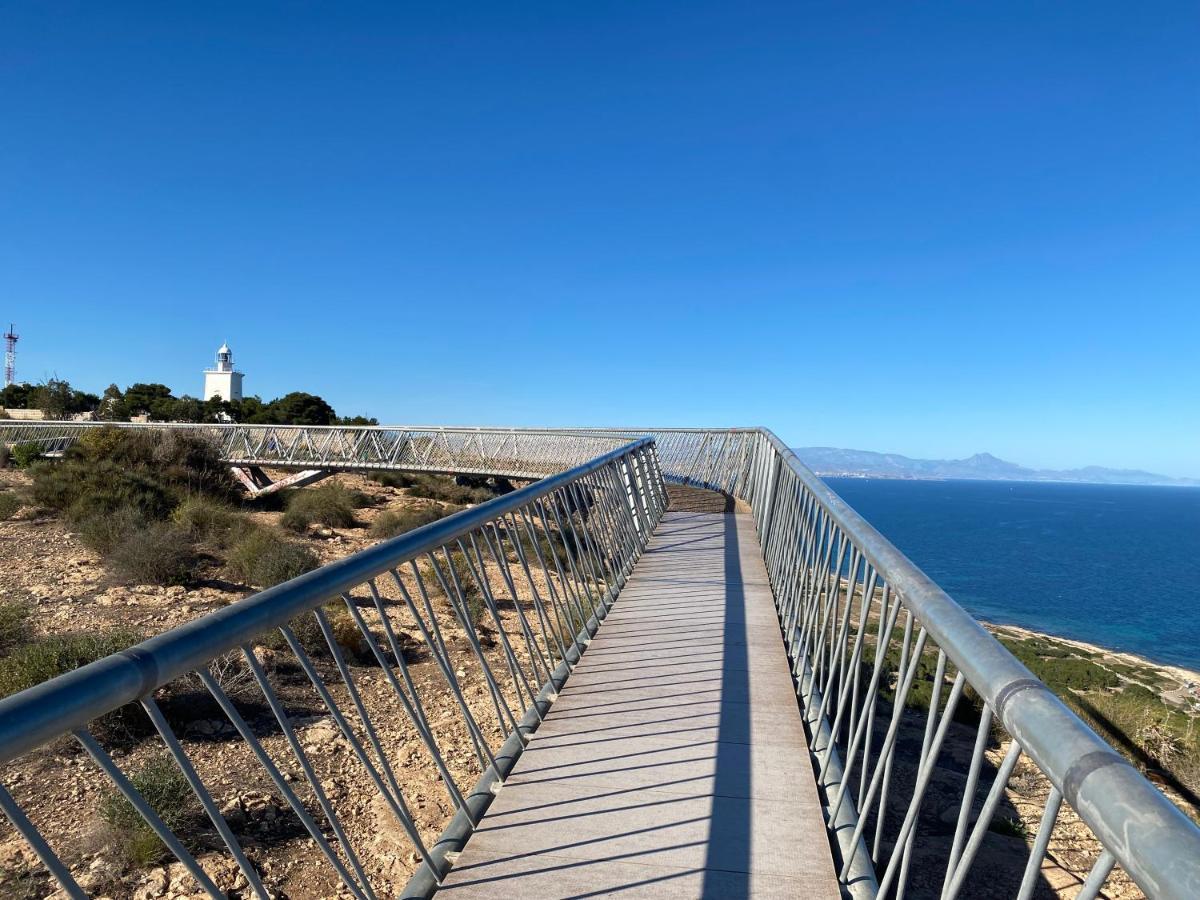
(222,381)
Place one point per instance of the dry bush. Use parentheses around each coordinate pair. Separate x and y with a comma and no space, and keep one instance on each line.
(399,521)
(168,793)
(160,553)
(331,505)
(265,558)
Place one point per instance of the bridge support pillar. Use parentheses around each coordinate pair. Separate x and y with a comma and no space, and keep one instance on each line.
(259,484)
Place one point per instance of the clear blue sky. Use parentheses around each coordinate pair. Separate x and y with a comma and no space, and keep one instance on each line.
(932,229)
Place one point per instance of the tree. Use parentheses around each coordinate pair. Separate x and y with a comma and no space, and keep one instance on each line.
(357,420)
(299,408)
(248,410)
(16,396)
(58,400)
(190,409)
(112,405)
(141,398)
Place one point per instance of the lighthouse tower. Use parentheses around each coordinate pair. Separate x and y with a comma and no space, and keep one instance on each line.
(222,381)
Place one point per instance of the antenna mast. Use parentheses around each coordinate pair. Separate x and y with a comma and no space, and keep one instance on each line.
(10,355)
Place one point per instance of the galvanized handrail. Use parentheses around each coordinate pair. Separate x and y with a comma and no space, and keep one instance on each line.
(834,575)
(555,553)
(508,452)
(860,619)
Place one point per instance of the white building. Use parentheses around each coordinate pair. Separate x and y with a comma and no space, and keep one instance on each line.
(223,381)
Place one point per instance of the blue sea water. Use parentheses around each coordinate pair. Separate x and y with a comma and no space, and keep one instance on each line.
(1114,565)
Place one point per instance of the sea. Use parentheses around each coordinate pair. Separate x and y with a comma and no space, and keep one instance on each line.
(1113,565)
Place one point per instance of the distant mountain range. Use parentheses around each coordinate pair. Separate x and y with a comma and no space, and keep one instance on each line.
(981,466)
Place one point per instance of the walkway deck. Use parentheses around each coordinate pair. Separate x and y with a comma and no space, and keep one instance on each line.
(674,763)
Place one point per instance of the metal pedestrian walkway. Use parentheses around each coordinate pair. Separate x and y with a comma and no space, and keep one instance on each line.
(674,762)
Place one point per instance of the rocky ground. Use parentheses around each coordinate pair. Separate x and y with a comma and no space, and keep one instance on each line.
(44,564)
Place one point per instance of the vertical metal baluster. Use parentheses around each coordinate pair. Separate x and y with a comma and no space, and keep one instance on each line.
(458,604)
(520,682)
(34,838)
(885,749)
(928,753)
(289,795)
(985,819)
(601,577)
(578,552)
(394,797)
(852,750)
(560,604)
(202,794)
(883,640)
(968,799)
(441,655)
(1097,876)
(1037,853)
(550,623)
(570,593)
(900,855)
(412,708)
(574,584)
(138,802)
(536,655)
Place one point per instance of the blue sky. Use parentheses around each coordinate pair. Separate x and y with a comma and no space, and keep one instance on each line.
(932,229)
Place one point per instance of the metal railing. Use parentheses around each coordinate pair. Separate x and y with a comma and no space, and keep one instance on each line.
(509,452)
(890,672)
(864,627)
(496,603)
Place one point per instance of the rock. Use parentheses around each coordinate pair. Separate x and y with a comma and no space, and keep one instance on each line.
(321,734)
(233,813)
(155,885)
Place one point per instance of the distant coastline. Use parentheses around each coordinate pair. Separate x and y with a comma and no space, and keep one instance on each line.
(836,462)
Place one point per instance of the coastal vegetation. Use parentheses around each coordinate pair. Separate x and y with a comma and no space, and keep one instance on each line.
(122,538)
(396,522)
(1147,712)
(331,505)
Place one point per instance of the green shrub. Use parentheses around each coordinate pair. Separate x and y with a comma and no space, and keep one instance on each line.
(83,490)
(24,455)
(392,479)
(399,521)
(476,605)
(49,657)
(14,625)
(331,505)
(9,504)
(187,463)
(439,487)
(109,468)
(308,632)
(160,553)
(168,793)
(1061,673)
(103,532)
(211,521)
(264,557)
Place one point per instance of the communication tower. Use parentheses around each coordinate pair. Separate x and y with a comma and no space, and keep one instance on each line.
(10,355)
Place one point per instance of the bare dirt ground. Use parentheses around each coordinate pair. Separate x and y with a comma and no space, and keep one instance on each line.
(43,563)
